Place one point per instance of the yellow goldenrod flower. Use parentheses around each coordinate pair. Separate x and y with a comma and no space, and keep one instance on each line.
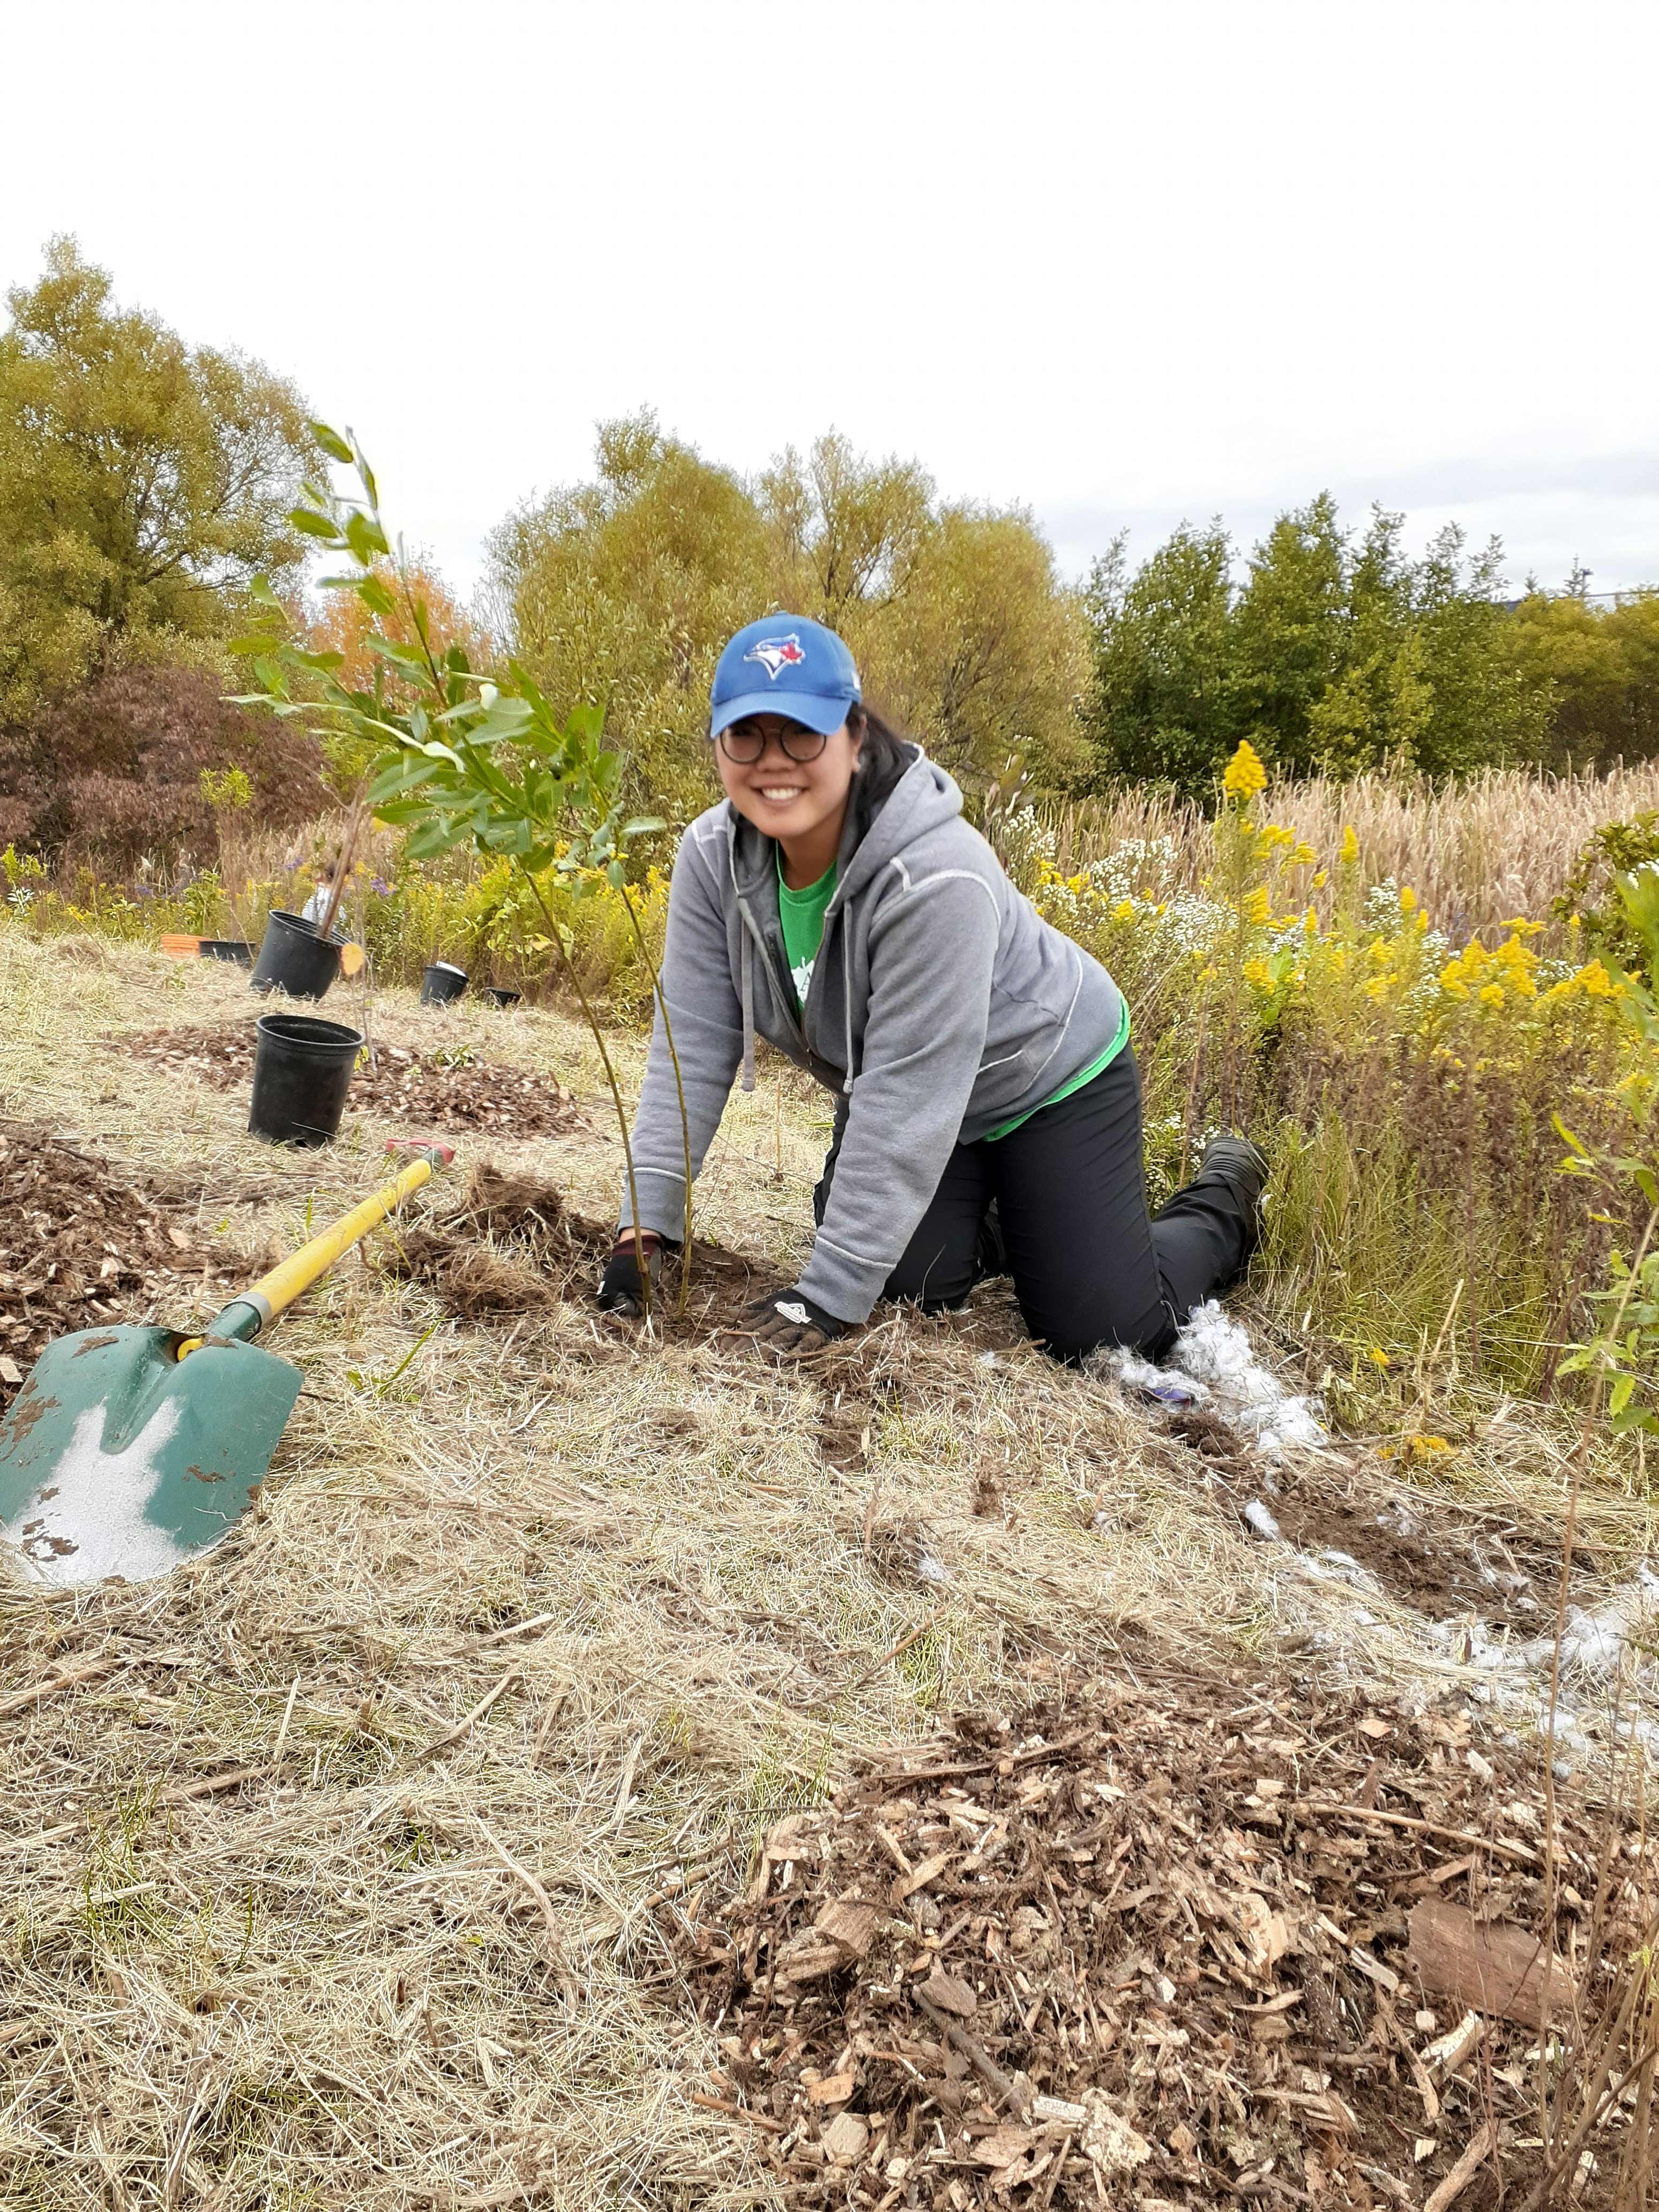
(1244,774)
(1595,981)
(1492,994)
(1258,975)
(1124,910)
(1304,856)
(1379,987)
(1381,951)
(1321,879)
(1378,1357)
(1408,898)
(1257,905)
(1208,975)
(1350,852)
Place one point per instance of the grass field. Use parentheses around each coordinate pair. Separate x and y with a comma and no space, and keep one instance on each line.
(356,1862)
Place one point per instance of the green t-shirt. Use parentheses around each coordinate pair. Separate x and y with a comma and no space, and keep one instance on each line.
(1073,1082)
(802,914)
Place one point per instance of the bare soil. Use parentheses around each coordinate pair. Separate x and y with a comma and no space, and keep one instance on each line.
(443,1090)
(1444,1561)
(1183,1918)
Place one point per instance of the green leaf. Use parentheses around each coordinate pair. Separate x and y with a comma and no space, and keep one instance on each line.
(404,776)
(312,525)
(260,589)
(376,597)
(401,656)
(365,536)
(1618,1396)
(331,442)
(363,469)
(642,824)
(1567,1137)
(251,644)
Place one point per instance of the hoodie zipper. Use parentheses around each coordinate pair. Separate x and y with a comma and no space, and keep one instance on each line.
(785,994)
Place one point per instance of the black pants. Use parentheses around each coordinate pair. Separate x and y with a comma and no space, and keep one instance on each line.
(1090,1266)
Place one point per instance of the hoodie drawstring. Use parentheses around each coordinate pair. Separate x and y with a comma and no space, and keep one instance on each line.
(847,998)
(745,968)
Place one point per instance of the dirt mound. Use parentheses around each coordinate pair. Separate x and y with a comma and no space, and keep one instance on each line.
(79,1245)
(511,1245)
(1127,1951)
(443,1090)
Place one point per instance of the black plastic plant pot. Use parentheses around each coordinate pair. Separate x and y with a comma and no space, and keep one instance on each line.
(443,981)
(295,959)
(227,948)
(301,1074)
(503,997)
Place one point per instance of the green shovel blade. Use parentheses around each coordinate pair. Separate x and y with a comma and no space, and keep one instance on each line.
(119,1458)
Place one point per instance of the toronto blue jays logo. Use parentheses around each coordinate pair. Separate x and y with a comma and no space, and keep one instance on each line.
(776,653)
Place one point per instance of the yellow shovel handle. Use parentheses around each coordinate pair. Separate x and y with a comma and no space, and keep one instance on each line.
(278,1291)
(274,1292)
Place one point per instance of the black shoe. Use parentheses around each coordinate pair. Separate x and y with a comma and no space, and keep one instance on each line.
(1241,1165)
(1237,1161)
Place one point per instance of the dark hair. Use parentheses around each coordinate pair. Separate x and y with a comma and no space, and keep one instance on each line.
(883,755)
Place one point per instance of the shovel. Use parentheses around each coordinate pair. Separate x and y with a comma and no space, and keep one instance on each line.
(130,1450)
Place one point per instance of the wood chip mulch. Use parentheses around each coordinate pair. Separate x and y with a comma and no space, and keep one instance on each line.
(81,1244)
(1128,1951)
(440,1091)
(508,1244)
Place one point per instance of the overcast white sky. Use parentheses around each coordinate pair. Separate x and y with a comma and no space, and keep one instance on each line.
(1125,263)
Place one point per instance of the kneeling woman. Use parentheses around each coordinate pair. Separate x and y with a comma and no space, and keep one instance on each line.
(837,904)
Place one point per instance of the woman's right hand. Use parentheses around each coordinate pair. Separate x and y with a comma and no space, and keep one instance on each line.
(621,1289)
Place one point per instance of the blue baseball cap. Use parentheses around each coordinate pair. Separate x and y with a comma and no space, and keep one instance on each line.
(784,664)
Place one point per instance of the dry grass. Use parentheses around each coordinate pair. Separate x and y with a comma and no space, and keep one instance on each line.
(529,1640)
(1501,844)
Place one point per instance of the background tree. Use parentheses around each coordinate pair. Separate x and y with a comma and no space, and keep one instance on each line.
(1163,707)
(111,777)
(625,589)
(1599,666)
(1336,653)
(343,624)
(142,485)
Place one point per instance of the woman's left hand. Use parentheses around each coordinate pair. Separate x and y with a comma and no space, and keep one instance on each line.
(791,1326)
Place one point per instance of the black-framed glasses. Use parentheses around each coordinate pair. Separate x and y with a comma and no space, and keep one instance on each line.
(744,746)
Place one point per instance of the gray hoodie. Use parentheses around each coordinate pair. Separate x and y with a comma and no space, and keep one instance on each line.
(941,1005)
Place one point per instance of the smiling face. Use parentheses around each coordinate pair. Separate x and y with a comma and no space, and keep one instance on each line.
(802,804)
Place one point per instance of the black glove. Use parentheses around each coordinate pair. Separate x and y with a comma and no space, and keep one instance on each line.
(621,1290)
(790,1325)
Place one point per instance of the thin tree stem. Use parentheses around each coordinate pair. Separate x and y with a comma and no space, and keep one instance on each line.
(609,1076)
(679,1087)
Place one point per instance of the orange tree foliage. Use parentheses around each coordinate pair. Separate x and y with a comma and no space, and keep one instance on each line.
(346,625)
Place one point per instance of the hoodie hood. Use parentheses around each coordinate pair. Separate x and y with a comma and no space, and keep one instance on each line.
(923,799)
